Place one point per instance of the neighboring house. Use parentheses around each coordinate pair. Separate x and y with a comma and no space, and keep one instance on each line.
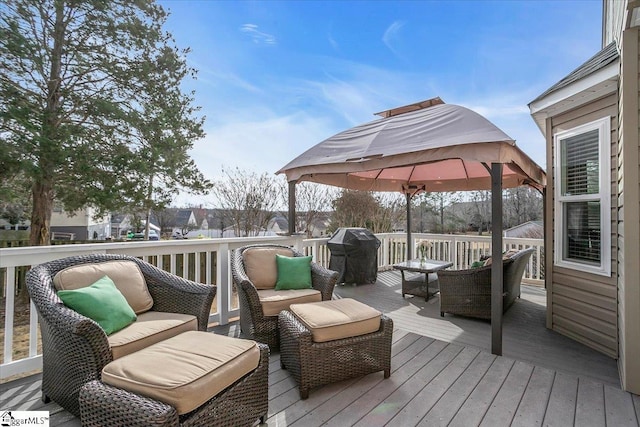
(179,221)
(320,225)
(526,230)
(80,225)
(278,225)
(590,120)
(121,224)
(202,217)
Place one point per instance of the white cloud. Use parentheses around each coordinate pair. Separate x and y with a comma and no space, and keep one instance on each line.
(391,34)
(255,140)
(257,36)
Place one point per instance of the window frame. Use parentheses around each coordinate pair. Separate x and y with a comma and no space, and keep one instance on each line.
(603,196)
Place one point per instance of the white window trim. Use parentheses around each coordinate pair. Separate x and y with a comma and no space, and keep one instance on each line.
(604,196)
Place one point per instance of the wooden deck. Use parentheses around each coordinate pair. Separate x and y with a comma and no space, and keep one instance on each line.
(442,374)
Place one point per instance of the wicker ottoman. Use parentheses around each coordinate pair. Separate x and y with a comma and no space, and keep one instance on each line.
(331,341)
(193,379)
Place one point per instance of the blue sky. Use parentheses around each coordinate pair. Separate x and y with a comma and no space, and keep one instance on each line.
(276,78)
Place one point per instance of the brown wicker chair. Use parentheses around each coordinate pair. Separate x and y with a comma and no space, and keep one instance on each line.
(254,324)
(468,292)
(74,347)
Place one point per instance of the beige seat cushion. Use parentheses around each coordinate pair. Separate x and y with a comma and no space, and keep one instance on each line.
(260,265)
(125,274)
(337,319)
(184,371)
(150,327)
(505,256)
(273,302)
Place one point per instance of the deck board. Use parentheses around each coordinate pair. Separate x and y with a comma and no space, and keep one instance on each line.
(619,408)
(590,403)
(382,392)
(535,400)
(425,399)
(442,373)
(562,400)
(443,412)
(479,401)
(392,405)
(506,402)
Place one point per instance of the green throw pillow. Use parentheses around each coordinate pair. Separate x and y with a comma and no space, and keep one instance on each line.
(101,302)
(477,264)
(293,272)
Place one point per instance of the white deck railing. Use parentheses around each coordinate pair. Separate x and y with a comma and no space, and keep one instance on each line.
(207,261)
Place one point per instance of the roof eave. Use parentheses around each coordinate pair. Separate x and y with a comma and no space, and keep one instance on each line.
(594,86)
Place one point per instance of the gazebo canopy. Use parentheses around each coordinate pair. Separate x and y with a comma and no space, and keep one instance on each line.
(440,147)
(427,146)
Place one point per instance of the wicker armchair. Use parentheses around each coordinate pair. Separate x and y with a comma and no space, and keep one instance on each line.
(468,292)
(253,322)
(74,347)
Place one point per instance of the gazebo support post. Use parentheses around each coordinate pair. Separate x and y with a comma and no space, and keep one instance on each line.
(292,208)
(409,239)
(496,255)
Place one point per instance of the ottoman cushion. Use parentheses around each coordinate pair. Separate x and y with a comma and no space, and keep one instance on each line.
(337,319)
(150,328)
(273,302)
(184,371)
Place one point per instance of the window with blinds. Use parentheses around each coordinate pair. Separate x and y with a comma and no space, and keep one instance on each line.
(582,210)
(580,155)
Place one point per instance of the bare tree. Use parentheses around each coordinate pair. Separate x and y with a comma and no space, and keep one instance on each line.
(250,199)
(436,204)
(391,210)
(374,211)
(482,209)
(166,218)
(312,200)
(522,204)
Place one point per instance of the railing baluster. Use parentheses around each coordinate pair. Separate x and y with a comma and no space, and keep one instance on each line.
(10,301)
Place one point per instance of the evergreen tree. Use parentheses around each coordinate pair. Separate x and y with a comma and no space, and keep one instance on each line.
(85,91)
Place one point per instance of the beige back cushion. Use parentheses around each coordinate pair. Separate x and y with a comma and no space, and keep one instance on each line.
(260,265)
(125,274)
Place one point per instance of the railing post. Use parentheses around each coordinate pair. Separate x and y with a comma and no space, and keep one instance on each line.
(496,254)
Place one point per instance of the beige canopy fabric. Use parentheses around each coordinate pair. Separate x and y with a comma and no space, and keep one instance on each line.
(428,146)
(444,147)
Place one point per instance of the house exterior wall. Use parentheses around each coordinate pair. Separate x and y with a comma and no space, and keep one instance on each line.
(581,305)
(82,217)
(628,182)
(613,20)
(83,224)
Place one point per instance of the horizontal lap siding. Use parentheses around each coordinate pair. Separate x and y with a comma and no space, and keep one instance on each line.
(584,306)
(629,214)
